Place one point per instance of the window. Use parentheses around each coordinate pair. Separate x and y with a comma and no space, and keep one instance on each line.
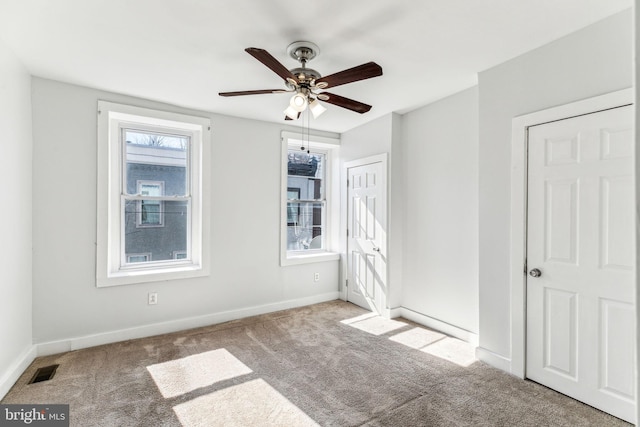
(179,255)
(150,195)
(308,210)
(131,258)
(149,211)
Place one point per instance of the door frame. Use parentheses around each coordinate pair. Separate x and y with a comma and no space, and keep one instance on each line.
(381,158)
(518,216)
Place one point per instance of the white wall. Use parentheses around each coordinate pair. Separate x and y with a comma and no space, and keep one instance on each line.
(636,79)
(589,62)
(440,270)
(15,218)
(382,135)
(245,269)
(374,137)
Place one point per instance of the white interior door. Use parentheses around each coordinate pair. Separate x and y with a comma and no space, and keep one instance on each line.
(580,245)
(367,240)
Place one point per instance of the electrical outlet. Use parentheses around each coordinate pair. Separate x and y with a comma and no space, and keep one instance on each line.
(316,277)
(153,298)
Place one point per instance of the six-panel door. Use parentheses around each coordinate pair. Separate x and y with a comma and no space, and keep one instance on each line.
(580,235)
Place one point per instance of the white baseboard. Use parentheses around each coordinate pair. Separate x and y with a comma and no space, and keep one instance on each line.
(16,369)
(493,359)
(77,343)
(436,324)
(395,312)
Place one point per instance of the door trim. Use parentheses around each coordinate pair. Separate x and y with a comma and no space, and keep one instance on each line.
(518,216)
(382,158)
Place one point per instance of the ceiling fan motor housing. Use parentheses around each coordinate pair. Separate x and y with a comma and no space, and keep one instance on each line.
(305,75)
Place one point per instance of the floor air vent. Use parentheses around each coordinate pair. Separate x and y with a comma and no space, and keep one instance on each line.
(44,374)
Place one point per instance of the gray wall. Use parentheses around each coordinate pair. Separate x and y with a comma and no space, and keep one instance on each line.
(15,216)
(440,172)
(245,269)
(589,62)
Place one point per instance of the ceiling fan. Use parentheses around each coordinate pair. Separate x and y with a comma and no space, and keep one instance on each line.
(305,82)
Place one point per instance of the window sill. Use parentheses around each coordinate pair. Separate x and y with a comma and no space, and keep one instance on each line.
(131,277)
(309,258)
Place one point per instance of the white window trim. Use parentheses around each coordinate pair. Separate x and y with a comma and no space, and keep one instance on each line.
(332,213)
(110,270)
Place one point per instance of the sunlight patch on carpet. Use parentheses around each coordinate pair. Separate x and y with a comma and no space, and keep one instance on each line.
(417,338)
(359,318)
(177,377)
(374,324)
(454,350)
(242,405)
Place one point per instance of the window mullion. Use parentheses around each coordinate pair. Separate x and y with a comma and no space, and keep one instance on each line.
(160,198)
(306,200)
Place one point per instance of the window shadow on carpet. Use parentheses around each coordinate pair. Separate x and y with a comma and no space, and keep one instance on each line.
(428,341)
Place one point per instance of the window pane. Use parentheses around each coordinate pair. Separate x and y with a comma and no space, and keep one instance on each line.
(161,242)
(305,181)
(305,230)
(305,175)
(156,157)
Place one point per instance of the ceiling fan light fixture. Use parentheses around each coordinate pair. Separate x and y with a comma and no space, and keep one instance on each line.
(298,102)
(316,108)
(291,113)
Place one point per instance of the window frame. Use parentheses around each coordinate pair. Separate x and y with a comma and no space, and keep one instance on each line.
(330,215)
(112,267)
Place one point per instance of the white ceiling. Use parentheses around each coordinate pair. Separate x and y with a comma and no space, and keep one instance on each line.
(184,52)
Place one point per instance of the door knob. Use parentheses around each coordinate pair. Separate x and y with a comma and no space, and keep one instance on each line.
(377,249)
(535,273)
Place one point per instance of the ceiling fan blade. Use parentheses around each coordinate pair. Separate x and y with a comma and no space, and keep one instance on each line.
(343,102)
(271,62)
(252,92)
(361,72)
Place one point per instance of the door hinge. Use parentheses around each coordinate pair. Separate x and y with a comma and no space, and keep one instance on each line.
(346,283)
(347,183)
(347,232)
(525,267)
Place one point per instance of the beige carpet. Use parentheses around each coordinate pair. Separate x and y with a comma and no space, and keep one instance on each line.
(330,364)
